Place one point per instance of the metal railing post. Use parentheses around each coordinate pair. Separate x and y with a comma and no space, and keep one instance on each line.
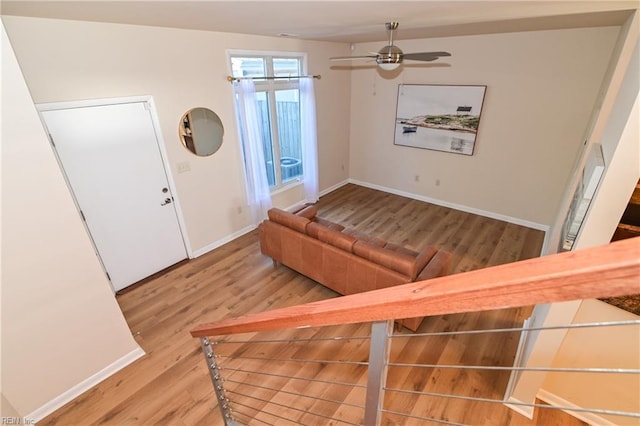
(216,379)
(379,349)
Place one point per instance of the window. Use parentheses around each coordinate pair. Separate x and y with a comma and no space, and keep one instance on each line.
(278,110)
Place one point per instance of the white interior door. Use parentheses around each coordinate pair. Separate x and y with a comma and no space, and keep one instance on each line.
(111,157)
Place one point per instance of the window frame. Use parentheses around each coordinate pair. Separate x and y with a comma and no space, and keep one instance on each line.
(270,87)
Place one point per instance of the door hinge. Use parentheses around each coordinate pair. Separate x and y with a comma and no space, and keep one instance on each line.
(108,277)
(82,216)
(51,140)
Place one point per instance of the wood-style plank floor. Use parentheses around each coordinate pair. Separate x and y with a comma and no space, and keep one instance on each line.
(171,386)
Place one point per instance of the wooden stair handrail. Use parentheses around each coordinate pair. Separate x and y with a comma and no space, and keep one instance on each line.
(604,271)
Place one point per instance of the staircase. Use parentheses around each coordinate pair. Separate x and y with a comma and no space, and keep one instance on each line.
(342,361)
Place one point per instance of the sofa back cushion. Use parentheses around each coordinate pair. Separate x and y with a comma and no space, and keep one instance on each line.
(399,262)
(309,212)
(330,236)
(290,220)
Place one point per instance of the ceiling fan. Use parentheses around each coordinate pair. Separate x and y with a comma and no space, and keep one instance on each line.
(390,57)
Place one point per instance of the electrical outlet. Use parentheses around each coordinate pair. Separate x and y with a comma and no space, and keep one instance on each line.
(437,182)
(416,178)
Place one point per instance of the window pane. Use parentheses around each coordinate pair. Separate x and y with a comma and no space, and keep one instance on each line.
(248,67)
(267,143)
(283,67)
(288,110)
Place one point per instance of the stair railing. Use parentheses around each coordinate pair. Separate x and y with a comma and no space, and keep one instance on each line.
(294,376)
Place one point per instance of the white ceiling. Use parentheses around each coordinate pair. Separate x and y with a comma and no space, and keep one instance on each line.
(341,21)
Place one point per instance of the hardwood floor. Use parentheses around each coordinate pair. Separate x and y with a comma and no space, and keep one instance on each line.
(171,386)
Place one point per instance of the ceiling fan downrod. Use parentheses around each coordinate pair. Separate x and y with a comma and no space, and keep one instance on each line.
(391,26)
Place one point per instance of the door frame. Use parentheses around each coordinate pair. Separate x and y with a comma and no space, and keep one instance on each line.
(148,99)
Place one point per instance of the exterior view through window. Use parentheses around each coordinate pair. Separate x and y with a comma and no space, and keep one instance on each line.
(279,113)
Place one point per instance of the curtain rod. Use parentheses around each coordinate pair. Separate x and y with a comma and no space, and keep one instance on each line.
(231,79)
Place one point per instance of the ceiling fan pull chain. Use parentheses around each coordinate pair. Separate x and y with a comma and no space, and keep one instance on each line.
(374,83)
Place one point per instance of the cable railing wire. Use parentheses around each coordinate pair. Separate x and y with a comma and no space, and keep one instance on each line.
(524,404)
(262,411)
(356,385)
(507,368)
(268,406)
(520,329)
(298,395)
(288,407)
(252,418)
(311,361)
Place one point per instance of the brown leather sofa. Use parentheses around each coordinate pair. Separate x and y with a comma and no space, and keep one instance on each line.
(344,260)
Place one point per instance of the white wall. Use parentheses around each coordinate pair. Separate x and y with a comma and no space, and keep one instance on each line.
(541,88)
(60,322)
(181,69)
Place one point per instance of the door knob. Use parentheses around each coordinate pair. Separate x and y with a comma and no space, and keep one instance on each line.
(165,190)
(166,201)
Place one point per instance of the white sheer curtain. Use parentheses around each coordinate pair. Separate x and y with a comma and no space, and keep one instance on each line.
(258,194)
(309,140)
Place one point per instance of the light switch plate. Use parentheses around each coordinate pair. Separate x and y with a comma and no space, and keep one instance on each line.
(184,166)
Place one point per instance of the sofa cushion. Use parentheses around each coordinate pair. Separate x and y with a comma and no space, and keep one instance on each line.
(398,262)
(400,249)
(328,224)
(331,236)
(290,220)
(366,238)
(309,212)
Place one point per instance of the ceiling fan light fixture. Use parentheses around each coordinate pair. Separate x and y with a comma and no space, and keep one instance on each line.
(389,66)
(389,57)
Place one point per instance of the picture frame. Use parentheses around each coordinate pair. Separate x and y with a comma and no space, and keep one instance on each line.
(439,117)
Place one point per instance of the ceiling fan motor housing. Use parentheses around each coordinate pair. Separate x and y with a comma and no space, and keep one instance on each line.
(389,55)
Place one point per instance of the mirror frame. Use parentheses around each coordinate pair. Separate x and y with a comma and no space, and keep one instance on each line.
(201,131)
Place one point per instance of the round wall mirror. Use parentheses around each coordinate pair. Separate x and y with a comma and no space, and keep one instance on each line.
(201,131)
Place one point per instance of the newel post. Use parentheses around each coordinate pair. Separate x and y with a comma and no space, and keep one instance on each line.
(379,349)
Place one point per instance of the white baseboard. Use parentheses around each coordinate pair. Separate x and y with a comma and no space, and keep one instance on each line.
(520,407)
(222,241)
(334,187)
(467,209)
(85,385)
(589,418)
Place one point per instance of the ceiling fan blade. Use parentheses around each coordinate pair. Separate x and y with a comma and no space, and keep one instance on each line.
(348,58)
(425,56)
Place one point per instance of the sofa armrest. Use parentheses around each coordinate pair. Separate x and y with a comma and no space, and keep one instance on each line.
(438,266)
(423,258)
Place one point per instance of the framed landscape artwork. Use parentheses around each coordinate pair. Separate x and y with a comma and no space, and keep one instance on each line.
(438,117)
